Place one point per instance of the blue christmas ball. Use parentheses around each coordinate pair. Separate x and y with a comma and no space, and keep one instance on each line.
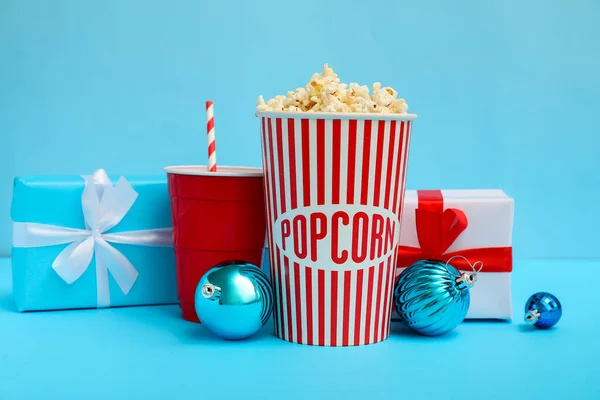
(542,310)
(432,297)
(234,300)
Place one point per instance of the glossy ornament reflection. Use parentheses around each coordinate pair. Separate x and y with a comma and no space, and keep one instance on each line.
(234,300)
(432,297)
(542,310)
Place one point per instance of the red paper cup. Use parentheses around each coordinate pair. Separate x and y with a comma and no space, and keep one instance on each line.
(217,216)
(335,186)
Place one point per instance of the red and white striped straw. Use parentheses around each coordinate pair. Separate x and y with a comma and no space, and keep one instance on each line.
(212,143)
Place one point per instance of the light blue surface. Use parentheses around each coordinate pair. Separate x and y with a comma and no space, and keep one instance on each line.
(151,353)
(57,201)
(506,91)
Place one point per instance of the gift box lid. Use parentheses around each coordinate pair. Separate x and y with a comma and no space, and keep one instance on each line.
(465,194)
(489,213)
(56,200)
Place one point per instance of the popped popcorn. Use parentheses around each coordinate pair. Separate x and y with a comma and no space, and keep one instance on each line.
(325,93)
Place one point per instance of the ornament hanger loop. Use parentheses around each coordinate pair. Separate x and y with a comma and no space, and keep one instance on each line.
(473,266)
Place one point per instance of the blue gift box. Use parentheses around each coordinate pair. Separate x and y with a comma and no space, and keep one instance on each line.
(57,201)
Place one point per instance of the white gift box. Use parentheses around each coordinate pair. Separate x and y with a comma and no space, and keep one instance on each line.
(475,224)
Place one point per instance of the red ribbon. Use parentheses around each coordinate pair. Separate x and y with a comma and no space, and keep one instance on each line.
(437,229)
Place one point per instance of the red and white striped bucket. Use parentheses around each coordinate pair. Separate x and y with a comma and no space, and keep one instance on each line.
(334,185)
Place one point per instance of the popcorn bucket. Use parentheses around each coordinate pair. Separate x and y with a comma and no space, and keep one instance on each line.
(334,185)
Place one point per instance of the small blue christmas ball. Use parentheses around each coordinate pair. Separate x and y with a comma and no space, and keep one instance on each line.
(234,300)
(432,297)
(542,310)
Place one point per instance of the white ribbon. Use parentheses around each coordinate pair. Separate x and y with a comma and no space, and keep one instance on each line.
(104,206)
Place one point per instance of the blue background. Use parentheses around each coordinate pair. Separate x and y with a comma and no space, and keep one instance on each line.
(507,92)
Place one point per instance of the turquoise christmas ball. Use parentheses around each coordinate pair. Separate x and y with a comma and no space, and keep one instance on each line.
(234,300)
(432,297)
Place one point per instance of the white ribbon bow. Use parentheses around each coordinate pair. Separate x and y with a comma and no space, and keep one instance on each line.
(104,206)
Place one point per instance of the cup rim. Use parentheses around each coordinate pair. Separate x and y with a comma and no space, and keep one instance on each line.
(340,115)
(202,170)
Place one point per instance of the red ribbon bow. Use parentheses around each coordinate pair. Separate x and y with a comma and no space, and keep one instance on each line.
(437,229)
